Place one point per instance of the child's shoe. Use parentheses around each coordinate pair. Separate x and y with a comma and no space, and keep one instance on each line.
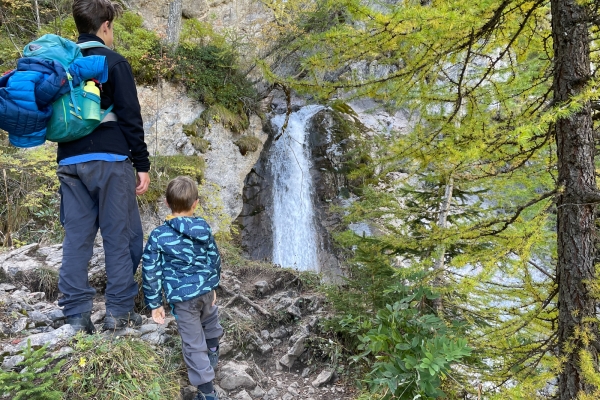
(207,396)
(213,357)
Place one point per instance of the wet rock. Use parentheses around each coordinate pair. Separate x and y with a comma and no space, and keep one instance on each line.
(49,338)
(233,375)
(11,362)
(323,378)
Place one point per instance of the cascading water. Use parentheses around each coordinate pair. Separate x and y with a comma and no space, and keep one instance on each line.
(295,242)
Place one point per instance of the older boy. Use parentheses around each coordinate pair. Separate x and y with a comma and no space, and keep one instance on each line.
(98,185)
(182,259)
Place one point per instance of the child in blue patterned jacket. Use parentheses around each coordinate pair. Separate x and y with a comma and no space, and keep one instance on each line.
(182,259)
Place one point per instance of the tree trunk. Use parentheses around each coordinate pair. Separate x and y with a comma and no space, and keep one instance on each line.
(575,224)
(174,23)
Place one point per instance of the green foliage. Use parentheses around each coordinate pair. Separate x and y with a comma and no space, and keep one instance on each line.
(35,379)
(209,74)
(105,368)
(413,348)
(247,143)
(29,204)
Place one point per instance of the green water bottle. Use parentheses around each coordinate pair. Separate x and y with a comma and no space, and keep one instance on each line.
(90,108)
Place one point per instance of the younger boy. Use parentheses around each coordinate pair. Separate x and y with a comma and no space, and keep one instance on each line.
(182,258)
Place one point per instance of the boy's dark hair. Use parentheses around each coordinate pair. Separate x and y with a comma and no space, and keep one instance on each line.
(89,15)
(181,193)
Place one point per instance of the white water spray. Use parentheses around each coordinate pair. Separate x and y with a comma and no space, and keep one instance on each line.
(295,241)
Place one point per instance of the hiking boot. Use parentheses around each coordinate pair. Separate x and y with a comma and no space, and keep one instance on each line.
(213,357)
(81,322)
(114,322)
(207,396)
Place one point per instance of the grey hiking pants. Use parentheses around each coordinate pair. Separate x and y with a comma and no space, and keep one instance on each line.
(99,194)
(197,321)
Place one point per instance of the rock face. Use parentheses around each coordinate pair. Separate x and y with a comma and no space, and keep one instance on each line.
(166,110)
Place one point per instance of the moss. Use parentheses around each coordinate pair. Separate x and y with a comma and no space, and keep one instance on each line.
(247,144)
(200,144)
(218,113)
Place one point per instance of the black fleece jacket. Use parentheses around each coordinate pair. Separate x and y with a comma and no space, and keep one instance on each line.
(125,136)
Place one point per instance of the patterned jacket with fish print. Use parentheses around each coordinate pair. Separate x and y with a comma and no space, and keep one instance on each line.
(181,258)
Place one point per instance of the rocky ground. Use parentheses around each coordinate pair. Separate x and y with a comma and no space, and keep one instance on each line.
(272,348)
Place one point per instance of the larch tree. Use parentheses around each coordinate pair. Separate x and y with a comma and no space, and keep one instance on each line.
(501,97)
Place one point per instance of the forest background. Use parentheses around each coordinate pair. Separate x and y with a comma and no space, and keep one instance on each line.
(482,278)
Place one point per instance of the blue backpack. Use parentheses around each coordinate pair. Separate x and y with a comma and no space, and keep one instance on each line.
(49,95)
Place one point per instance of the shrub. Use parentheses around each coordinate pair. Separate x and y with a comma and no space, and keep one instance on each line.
(35,379)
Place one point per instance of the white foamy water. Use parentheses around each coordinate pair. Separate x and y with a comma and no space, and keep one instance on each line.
(295,241)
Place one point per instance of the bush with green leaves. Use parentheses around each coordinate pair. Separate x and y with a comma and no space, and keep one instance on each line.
(35,378)
(413,350)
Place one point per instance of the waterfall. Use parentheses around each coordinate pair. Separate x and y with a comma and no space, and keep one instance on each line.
(295,242)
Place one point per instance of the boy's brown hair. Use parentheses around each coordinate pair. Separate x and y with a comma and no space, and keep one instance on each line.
(89,15)
(182,192)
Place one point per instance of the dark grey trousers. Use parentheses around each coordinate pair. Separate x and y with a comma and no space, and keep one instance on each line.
(99,194)
(197,321)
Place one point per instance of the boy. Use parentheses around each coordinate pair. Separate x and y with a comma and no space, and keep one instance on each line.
(98,185)
(182,258)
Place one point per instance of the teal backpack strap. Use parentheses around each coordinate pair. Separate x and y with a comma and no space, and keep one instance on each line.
(92,44)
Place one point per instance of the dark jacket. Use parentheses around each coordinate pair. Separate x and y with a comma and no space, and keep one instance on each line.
(125,136)
(181,258)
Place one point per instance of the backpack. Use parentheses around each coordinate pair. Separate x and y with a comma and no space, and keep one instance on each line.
(49,95)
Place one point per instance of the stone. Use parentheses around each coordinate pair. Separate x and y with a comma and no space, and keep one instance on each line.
(272,393)
(265,334)
(243,395)
(225,348)
(49,338)
(98,316)
(294,311)
(148,328)
(262,287)
(37,296)
(287,396)
(257,392)
(63,352)
(323,378)
(293,391)
(19,325)
(11,362)
(305,373)
(287,360)
(299,347)
(265,348)
(189,392)
(279,333)
(125,332)
(55,314)
(7,287)
(233,375)
(154,338)
(39,319)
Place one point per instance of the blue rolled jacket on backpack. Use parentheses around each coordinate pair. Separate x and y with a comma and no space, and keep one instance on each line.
(181,258)
(27,93)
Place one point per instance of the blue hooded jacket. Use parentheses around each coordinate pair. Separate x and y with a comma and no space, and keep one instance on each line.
(27,93)
(181,258)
